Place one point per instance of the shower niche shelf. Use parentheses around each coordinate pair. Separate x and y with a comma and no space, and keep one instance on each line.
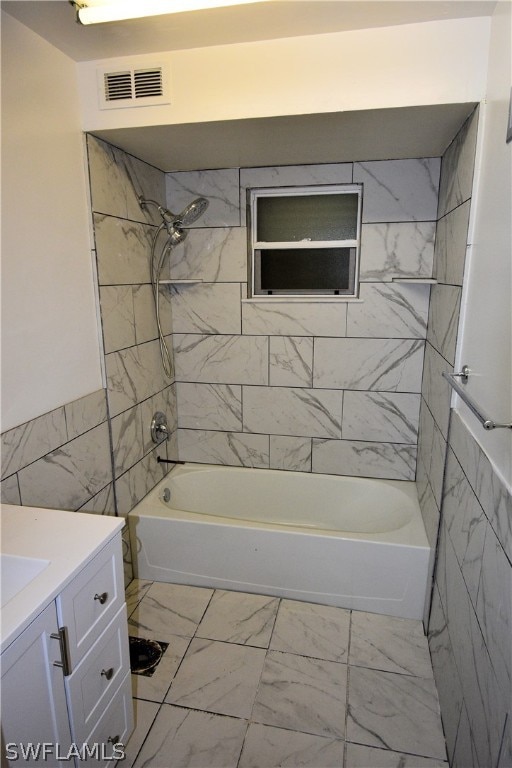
(179,282)
(415,280)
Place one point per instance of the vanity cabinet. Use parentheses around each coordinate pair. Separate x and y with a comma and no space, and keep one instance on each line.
(34,709)
(66,679)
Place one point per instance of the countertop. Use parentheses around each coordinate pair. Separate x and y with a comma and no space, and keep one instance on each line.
(68,540)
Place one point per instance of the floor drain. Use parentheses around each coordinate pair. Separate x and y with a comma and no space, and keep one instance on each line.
(145,655)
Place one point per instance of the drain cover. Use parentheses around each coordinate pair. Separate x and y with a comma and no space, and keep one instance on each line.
(145,655)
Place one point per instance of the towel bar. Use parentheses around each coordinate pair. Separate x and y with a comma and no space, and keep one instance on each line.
(484,420)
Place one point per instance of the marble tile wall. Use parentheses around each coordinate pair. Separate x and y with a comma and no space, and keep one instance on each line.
(466,510)
(136,384)
(322,387)
(61,459)
(470,629)
(451,241)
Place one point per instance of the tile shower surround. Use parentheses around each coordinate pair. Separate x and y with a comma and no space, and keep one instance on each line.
(451,243)
(322,387)
(136,384)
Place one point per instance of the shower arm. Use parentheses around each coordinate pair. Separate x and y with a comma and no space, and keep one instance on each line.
(144,202)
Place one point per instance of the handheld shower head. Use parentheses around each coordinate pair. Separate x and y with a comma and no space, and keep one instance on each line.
(193,211)
(175,225)
(188,216)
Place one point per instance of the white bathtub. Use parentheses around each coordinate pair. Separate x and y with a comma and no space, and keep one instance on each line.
(349,542)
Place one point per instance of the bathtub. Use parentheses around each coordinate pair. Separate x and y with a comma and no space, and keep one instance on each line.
(349,542)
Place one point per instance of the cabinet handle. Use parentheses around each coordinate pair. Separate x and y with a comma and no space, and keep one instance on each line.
(108,673)
(114,739)
(62,637)
(102,598)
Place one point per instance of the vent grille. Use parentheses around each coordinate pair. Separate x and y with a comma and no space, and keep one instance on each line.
(148,82)
(118,85)
(127,87)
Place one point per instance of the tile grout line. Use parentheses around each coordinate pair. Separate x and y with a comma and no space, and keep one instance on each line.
(163,702)
(347,691)
(249,720)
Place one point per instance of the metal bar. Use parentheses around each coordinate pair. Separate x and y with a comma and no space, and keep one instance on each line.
(65,663)
(484,420)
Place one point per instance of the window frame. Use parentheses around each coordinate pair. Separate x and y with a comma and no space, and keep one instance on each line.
(255,246)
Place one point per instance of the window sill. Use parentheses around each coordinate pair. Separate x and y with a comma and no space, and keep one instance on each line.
(305,300)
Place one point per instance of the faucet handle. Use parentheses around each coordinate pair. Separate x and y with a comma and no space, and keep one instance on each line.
(159,429)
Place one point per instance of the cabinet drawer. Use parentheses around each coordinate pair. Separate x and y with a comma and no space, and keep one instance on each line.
(88,604)
(114,725)
(98,675)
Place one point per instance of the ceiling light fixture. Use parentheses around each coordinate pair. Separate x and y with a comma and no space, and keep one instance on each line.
(99,11)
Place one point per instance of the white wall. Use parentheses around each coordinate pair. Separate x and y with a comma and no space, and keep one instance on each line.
(485,336)
(50,350)
(431,63)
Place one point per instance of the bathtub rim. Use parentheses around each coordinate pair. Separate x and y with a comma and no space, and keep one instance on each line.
(412,534)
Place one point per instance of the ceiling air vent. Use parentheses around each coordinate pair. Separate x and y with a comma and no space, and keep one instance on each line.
(129,87)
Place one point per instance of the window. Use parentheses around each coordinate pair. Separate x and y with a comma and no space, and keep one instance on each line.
(304,241)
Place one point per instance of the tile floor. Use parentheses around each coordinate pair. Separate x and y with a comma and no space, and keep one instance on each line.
(251,681)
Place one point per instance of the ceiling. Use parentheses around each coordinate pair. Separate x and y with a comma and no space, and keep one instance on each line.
(288,140)
(54,20)
(333,137)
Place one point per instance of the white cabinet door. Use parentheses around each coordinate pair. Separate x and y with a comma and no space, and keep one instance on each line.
(33,697)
